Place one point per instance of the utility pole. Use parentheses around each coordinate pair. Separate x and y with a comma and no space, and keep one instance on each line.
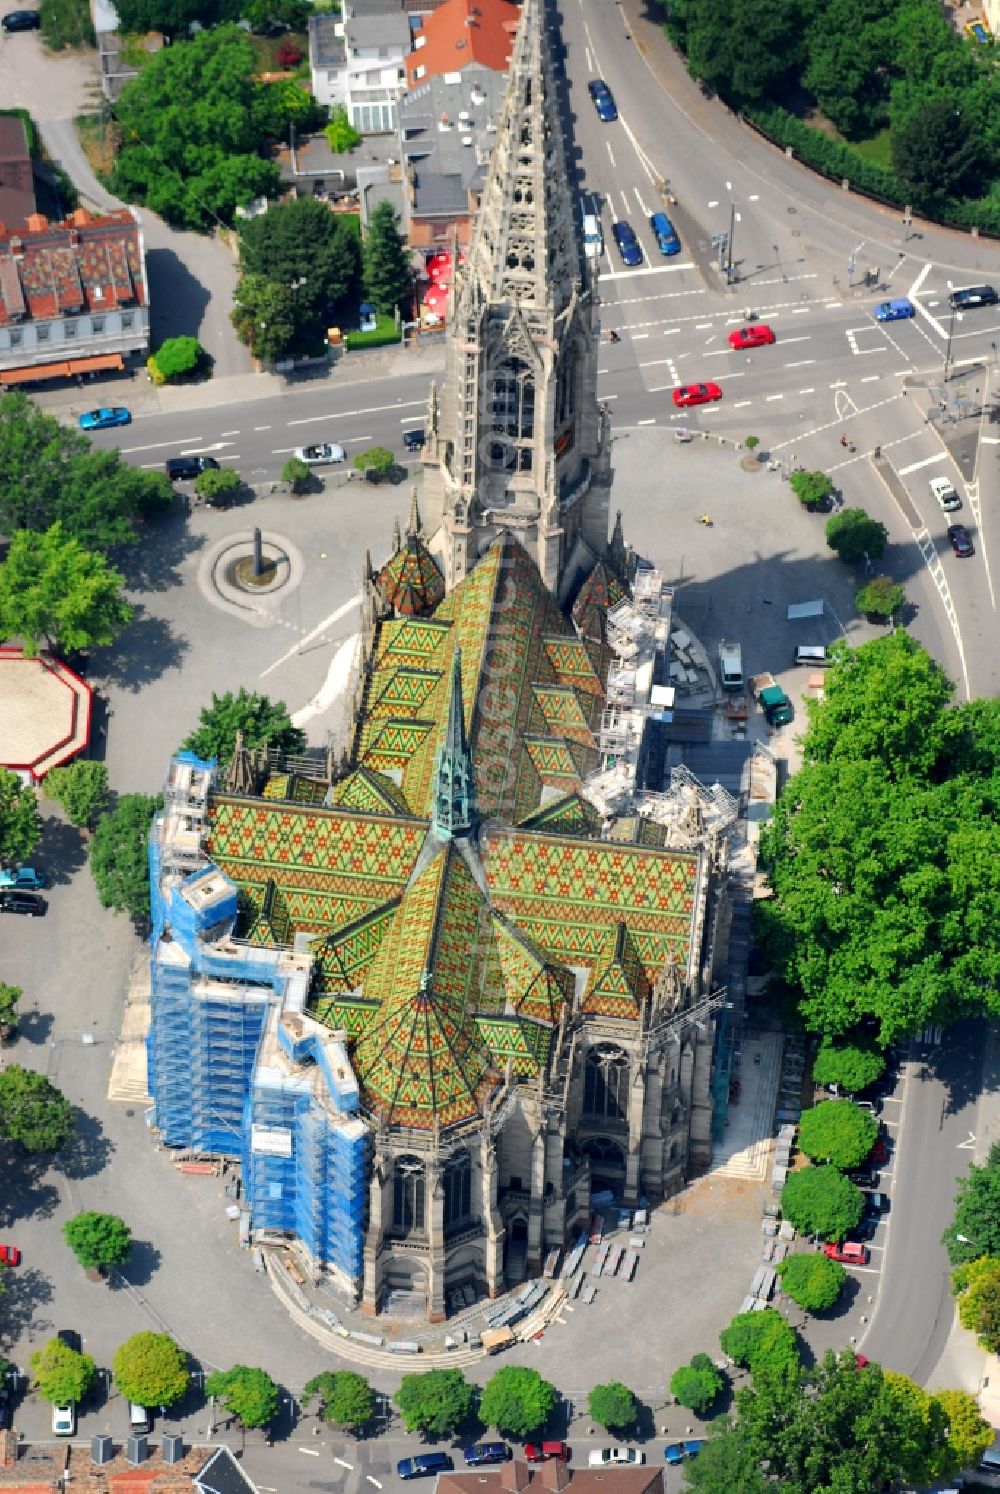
(732,230)
(947,351)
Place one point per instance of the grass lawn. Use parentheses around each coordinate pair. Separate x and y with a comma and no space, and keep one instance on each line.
(877,150)
(66,23)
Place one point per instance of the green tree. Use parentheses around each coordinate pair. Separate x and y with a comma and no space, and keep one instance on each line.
(727,1463)
(61,1374)
(696,1385)
(55,592)
(264,316)
(98,1240)
(852,535)
(812,489)
(9,998)
(248,1394)
(749,54)
(49,472)
(612,1406)
(849,67)
(386,263)
(380,458)
(301,244)
(20,822)
(968,1435)
(178,356)
(174,17)
(345,1398)
(340,134)
(81,788)
(119,857)
(813,1281)
(762,1342)
(297,474)
(935,153)
(837,1131)
(436,1402)
(979,1300)
(263,722)
(977,1213)
(151,1369)
(218,485)
(849,1065)
(880,597)
(33,1111)
(516,1401)
(821,1201)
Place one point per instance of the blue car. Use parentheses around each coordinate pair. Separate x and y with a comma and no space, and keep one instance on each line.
(628,245)
(105,418)
(665,233)
(424,1464)
(894,311)
(676,1452)
(24,877)
(604,100)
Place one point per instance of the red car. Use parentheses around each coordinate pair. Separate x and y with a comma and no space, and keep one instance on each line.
(539,1452)
(10,1255)
(751,337)
(848,1251)
(696,394)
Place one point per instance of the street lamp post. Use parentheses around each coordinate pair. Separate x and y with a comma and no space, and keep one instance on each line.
(947,351)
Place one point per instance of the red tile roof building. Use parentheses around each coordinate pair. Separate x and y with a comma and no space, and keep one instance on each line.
(551,1478)
(461,32)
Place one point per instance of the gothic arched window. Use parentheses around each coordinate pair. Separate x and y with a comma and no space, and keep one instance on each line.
(605,1083)
(408,1187)
(457,1192)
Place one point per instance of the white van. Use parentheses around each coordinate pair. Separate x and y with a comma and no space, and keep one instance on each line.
(593,241)
(814,654)
(139,1419)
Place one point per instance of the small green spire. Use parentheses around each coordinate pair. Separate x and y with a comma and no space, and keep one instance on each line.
(453,787)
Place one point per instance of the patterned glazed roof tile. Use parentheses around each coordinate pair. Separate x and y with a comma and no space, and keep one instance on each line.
(392,744)
(568,815)
(413,642)
(403,692)
(294,789)
(573,665)
(523,1044)
(370,792)
(602,589)
(530,984)
(561,764)
(344,956)
(410,580)
(355,1017)
(562,713)
(618,985)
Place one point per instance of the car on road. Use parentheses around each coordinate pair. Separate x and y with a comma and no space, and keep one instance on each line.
(848,1251)
(894,311)
(24,877)
(182,468)
(28,903)
(424,1464)
(10,1255)
(960,541)
(664,233)
(104,418)
(616,1457)
(414,440)
(973,295)
(487,1452)
(628,245)
(540,1452)
(64,1420)
(324,452)
(604,100)
(22,20)
(756,336)
(944,494)
(696,394)
(676,1452)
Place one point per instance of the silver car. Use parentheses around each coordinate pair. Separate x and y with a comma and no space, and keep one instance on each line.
(315,456)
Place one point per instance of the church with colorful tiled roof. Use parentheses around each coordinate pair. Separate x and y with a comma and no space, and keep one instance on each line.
(434,999)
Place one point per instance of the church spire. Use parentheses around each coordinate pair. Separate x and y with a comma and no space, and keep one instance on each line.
(453,788)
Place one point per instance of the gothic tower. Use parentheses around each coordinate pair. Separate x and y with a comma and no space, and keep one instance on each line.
(516,438)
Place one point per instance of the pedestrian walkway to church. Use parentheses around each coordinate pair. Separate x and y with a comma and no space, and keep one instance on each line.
(746,1150)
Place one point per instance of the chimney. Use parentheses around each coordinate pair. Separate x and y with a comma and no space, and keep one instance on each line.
(8,1449)
(173,1447)
(515,1476)
(17,248)
(555,1474)
(101,1449)
(136,1451)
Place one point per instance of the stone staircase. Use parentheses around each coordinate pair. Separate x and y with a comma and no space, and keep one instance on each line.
(746,1150)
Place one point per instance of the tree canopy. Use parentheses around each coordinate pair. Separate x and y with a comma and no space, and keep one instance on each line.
(837,1131)
(9,998)
(20,822)
(263,722)
(345,1398)
(81,787)
(298,259)
(264,317)
(33,1111)
(813,1281)
(881,597)
(821,1201)
(98,1240)
(55,593)
(61,1374)
(386,262)
(436,1402)
(173,17)
(851,1065)
(50,473)
(812,489)
(178,356)
(978,1288)
(612,1406)
(517,1401)
(936,153)
(248,1394)
(119,857)
(762,1342)
(151,1369)
(852,535)
(977,1212)
(696,1385)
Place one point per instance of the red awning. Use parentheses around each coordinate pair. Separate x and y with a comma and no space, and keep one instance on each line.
(27,375)
(95,364)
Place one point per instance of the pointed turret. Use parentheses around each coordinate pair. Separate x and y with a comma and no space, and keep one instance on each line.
(453,788)
(413,524)
(617,553)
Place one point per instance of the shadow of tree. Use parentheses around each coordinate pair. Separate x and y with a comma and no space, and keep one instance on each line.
(179,301)
(34,1027)
(144,652)
(143,1261)
(24,1191)
(26,1292)
(63,849)
(88,1151)
(164,542)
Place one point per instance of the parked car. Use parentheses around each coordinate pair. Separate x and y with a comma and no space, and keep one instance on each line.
(894,311)
(70,1338)
(676,1452)
(848,1251)
(628,245)
(973,295)
(487,1452)
(104,418)
(876,1203)
(866,1227)
(604,100)
(64,1420)
(180,469)
(22,20)
(960,541)
(756,336)
(540,1452)
(28,903)
(616,1457)
(696,394)
(24,877)
(871,1107)
(862,1177)
(315,456)
(10,1255)
(664,233)
(414,440)
(879,1153)
(423,1464)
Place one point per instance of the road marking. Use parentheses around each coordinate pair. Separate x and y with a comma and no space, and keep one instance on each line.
(840,384)
(312,1452)
(610,153)
(372,1480)
(400,404)
(334,617)
(801,310)
(806,337)
(870,379)
(989,440)
(771,397)
(262,427)
(941,456)
(652,421)
(344,1464)
(807,391)
(638,336)
(230,433)
(156,445)
(703,326)
(802,363)
(647,270)
(967,1146)
(740,404)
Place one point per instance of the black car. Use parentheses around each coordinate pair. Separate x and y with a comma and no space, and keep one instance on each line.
(28,903)
(487,1452)
(414,440)
(973,295)
(424,1464)
(182,467)
(862,1177)
(960,541)
(22,20)
(70,1338)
